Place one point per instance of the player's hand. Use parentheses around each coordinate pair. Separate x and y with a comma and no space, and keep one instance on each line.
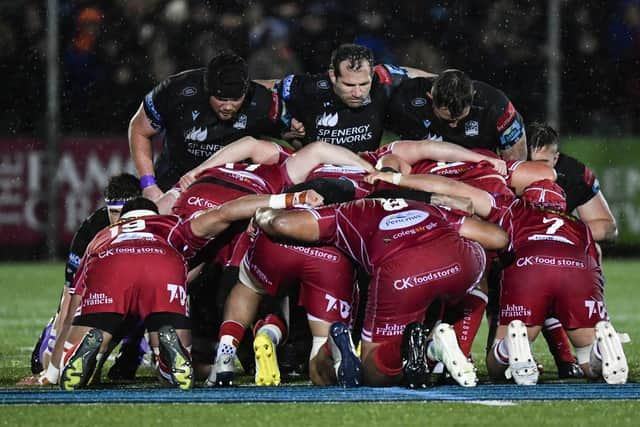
(152,192)
(37,380)
(308,198)
(297,127)
(499,165)
(375,176)
(187,179)
(296,131)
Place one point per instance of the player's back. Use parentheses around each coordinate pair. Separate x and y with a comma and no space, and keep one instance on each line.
(373,230)
(146,234)
(527,225)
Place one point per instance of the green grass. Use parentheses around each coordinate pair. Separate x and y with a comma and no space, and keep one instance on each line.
(29,293)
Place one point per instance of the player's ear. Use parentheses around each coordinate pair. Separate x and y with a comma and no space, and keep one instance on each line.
(332,76)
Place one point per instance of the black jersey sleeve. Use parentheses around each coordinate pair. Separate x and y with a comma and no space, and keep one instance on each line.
(156,104)
(291,91)
(509,124)
(85,234)
(578,181)
(404,112)
(390,76)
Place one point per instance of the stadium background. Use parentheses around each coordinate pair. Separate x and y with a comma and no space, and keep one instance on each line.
(110,53)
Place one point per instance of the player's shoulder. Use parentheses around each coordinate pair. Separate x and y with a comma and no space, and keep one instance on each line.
(489,96)
(186,84)
(568,163)
(96,221)
(300,86)
(411,94)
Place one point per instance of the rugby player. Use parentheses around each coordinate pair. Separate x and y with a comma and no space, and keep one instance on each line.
(146,250)
(403,245)
(555,254)
(346,105)
(199,111)
(452,107)
(584,197)
(119,189)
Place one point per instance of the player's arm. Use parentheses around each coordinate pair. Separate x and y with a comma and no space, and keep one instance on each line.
(214,221)
(257,150)
(528,172)
(414,151)
(482,201)
(490,236)
(518,151)
(597,215)
(416,72)
(141,148)
(269,84)
(299,165)
(299,225)
(394,162)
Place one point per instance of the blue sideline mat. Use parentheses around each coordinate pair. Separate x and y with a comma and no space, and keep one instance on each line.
(289,394)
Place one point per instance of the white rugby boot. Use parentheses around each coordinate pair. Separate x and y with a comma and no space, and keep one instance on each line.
(444,348)
(522,367)
(613,365)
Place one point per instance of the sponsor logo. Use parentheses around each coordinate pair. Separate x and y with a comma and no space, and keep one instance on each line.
(426,123)
(134,236)
(345,136)
(394,69)
(506,118)
(402,220)
(314,252)
(189,91)
(323,84)
(596,307)
(471,128)
(286,86)
(336,304)
(74,260)
(177,292)
(550,237)
(390,330)
(131,251)
(200,202)
(513,310)
(433,136)
(419,102)
(550,261)
(241,122)
(511,134)
(596,186)
(196,134)
(426,277)
(96,298)
(194,115)
(260,275)
(415,230)
(156,119)
(327,120)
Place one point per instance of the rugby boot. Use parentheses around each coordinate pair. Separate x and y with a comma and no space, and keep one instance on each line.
(80,364)
(614,368)
(44,347)
(222,371)
(267,370)
(346,362)
(445,349)
(522,367)
(128,359)
(567,370)
(174,361)
(415,370)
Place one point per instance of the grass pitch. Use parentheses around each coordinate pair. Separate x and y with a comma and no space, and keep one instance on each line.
(29,294)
